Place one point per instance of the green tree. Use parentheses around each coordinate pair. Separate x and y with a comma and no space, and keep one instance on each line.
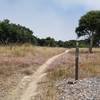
(60,43)
(50,42)
(89,24)
(12,33)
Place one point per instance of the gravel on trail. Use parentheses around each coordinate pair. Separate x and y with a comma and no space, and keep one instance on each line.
(86,89)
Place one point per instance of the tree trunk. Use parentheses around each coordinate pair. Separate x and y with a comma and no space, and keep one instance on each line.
(91,44)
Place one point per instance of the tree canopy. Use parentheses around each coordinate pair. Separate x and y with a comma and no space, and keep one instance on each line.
(89,25)
(13,33)
(16,33)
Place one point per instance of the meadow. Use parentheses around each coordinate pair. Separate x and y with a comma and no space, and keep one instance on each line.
(17,61)
(64,68)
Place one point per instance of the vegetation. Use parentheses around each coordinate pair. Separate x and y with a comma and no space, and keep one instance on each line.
(25,57)
(18,61)
(11,33)
(89,66)
(89,25)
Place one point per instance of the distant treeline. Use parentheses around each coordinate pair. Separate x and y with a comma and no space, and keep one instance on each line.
(15,33)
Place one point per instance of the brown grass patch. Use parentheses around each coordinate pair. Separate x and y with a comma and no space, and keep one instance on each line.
(16,61)
(64,67)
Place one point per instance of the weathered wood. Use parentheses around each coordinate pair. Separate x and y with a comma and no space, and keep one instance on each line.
(77,61)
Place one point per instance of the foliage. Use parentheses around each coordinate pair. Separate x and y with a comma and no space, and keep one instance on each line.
(89,25)
(13,33)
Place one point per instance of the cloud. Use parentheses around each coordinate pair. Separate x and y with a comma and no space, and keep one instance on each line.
(55,18)
(90,4)
(93,4)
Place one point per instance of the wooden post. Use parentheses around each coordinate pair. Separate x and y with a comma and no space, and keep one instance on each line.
(77,61)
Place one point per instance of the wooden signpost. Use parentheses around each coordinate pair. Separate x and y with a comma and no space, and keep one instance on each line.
(77,61)
(76,64)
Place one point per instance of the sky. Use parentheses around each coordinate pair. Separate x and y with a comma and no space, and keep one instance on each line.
(55,18)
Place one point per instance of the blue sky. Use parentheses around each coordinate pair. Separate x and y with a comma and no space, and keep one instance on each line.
(55,18)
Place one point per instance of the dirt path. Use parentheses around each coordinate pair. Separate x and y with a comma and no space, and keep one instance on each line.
(26,90)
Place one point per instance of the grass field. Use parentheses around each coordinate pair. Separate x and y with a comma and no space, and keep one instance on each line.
(22,57)
(17,61)
(64,67)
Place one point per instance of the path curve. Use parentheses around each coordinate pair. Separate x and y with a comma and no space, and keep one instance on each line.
(26,90)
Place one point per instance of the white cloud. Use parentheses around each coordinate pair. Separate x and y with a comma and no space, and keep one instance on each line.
(93,4)
(90,4)
(45,19)
(48,23)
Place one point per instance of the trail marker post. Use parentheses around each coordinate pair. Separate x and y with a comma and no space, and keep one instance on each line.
(77,61)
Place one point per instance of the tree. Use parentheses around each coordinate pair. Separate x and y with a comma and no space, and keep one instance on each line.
(89,24)
(50,42)
(12,33)
(60,43)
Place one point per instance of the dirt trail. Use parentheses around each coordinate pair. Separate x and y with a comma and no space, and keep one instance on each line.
(26,90)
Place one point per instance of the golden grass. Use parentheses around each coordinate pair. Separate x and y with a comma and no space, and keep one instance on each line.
(25,49)
(90,63)
(46,91)
(89,66)
(24,57)
(59,73)
(16,61)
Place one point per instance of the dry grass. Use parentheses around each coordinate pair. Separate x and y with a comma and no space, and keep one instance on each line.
(20,57)
(90,63)
(25,49)
(46,90)
(16,61)
(64,67)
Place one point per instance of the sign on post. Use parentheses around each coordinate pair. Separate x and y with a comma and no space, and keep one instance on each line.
(77,61)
